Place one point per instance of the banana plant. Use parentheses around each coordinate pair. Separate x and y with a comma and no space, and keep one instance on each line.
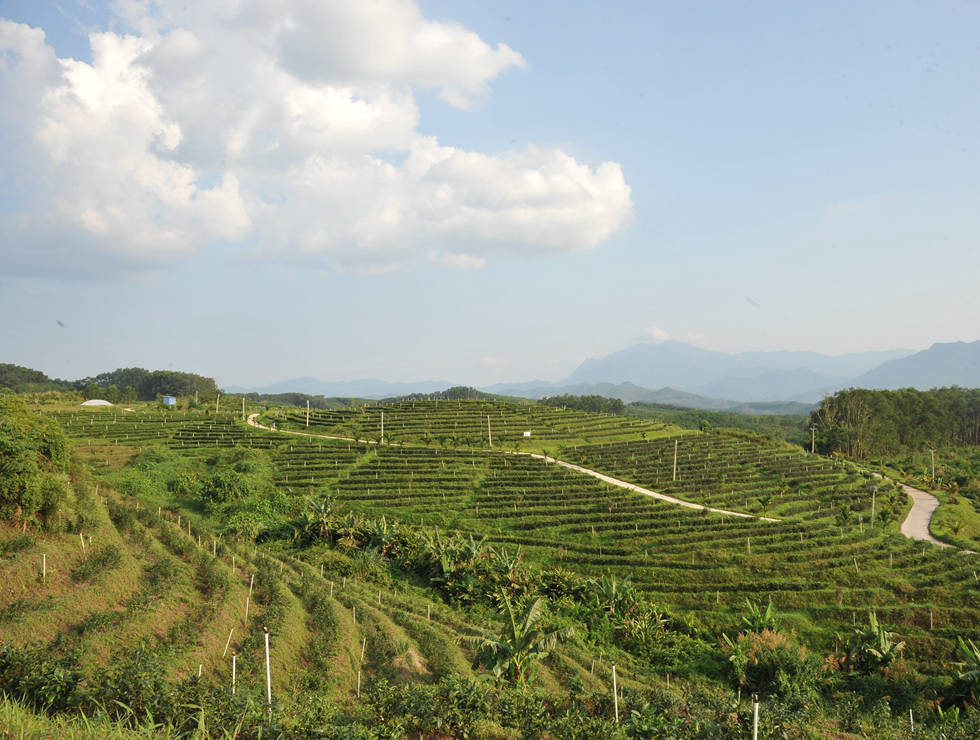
(525,640)
(757,619)
(873,647)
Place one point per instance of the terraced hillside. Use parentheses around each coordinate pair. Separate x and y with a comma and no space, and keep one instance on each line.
(393,560)
(469,423)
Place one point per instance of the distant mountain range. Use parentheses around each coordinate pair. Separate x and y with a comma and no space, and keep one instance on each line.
(748,382)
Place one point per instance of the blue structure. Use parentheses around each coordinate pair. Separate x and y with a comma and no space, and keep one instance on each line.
(170,400)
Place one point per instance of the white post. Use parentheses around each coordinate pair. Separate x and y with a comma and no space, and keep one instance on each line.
(200,667)
(615,696)
(675,459)
(382,427)
(268,669)
(307,413)
(251,583)
(358,684)
(428,612)
(228,642)
(353,611)
(489,436)
(911,721)
(755,717)
(245,621)
(874,494)
(216,400)
(243,408)
(234,668)
(44,567)
(363,646)
(82,539)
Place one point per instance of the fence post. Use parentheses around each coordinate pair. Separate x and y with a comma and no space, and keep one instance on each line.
(268,668)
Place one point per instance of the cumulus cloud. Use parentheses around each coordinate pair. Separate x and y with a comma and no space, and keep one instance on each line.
(290,128)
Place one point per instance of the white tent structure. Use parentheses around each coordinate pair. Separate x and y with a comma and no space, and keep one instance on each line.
(96,402)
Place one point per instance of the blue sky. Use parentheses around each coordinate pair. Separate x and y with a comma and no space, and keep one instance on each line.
(481,192)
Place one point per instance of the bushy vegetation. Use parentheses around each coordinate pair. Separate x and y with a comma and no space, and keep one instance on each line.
(35,465)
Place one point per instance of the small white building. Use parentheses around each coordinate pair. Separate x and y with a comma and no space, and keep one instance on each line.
(96,402)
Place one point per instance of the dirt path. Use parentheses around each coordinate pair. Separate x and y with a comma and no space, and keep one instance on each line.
(571,466)
(916,524)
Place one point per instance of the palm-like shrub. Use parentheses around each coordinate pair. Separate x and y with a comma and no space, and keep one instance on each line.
(872,648)
(525,640)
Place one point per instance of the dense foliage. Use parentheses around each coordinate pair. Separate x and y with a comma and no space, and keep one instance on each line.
(35,461)
(864,423)
(595,404)
(788,427)
(25,380)
(456,393)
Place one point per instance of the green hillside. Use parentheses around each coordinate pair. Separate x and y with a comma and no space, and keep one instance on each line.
(385,575)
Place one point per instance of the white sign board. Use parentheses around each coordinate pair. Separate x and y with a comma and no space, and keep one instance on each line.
(527,434)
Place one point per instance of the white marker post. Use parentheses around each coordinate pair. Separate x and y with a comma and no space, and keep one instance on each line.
(228,642)
(755,717)
(234,667)
(615,696)
(268,668)
(44,567)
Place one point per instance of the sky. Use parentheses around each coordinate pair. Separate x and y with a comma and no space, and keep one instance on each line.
(260,190)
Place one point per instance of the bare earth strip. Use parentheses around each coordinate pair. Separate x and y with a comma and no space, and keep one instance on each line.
(578,468)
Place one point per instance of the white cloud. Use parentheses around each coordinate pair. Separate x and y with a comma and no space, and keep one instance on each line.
(291,127)
(655,334)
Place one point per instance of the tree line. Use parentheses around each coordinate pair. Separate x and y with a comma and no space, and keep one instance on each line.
(122,384)
(596,404)
(863,423)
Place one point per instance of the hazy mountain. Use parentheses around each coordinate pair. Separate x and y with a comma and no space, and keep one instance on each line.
(943,364)
(694,369)
(366,388)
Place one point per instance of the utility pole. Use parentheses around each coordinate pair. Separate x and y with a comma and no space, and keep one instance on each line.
(489,436)
(675,459)
(813,440)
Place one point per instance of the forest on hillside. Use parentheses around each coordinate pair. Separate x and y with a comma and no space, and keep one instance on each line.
(863,423)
